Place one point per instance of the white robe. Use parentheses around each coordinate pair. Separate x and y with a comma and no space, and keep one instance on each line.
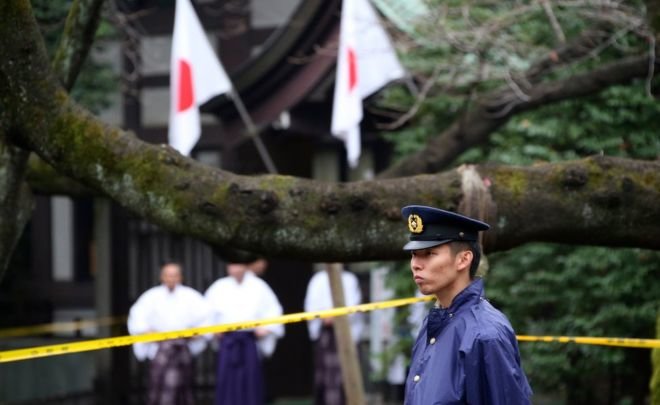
(252,299)
(159,310)
(319,298)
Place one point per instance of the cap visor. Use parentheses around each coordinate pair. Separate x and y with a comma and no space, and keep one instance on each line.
(424,244)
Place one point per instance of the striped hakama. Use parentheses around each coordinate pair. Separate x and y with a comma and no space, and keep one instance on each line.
(170,374)
(328,387)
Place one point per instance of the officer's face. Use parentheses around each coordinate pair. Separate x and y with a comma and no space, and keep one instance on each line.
(436,270)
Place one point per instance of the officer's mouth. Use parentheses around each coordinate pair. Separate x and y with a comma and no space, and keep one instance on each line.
(418,279)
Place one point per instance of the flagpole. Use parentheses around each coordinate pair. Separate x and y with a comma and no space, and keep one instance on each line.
(253,132)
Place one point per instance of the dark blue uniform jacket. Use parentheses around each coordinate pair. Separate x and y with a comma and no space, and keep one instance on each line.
(467,354)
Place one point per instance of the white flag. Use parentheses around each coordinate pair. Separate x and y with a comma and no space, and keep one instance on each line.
(366,61)
(196,76)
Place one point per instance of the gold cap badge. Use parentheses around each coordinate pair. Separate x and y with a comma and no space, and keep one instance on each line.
(415,223)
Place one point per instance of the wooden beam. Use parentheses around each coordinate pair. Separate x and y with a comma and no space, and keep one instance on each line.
(348,358)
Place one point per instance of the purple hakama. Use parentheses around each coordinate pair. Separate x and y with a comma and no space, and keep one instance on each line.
(239,373)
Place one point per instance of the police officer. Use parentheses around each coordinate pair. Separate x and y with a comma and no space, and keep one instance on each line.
(466,351)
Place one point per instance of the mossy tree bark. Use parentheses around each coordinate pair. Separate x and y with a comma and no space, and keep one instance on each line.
(599,201)
(16,201)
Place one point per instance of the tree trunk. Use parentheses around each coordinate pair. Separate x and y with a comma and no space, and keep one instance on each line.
(16,201)
(15,195)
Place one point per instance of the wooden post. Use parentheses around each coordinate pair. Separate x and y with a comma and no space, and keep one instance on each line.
(348,358)
(253,131)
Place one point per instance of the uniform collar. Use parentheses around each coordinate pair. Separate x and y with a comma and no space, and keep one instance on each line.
(470,293)
(439,317)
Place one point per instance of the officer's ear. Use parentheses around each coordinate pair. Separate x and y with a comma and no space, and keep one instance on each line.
(464,260)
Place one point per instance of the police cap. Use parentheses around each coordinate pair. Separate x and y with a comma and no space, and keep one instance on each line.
(431,226)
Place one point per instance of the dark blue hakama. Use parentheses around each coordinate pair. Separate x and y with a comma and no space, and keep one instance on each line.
(239,372)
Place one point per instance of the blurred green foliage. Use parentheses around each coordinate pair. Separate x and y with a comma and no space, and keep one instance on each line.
(620,121)
(580,291)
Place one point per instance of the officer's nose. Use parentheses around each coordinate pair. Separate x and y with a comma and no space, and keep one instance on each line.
(415,263)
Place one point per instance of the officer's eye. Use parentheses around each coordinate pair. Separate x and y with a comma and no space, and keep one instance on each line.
(421,253)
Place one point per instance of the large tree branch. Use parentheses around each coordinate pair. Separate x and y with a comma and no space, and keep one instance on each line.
(578,48)
(43,179)
(16,201)
(595,201)
(604,201)
(283,216)
(494,109)
(74,46)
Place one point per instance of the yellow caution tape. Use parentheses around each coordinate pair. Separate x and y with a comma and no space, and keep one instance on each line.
(59,327)
(601,341)
(106,343)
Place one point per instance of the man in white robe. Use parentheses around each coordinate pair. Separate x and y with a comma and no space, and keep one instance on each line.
(242,296)
(169,306)
(328,388)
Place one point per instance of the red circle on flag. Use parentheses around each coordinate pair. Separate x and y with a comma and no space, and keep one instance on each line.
(185,95)
(352,69)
